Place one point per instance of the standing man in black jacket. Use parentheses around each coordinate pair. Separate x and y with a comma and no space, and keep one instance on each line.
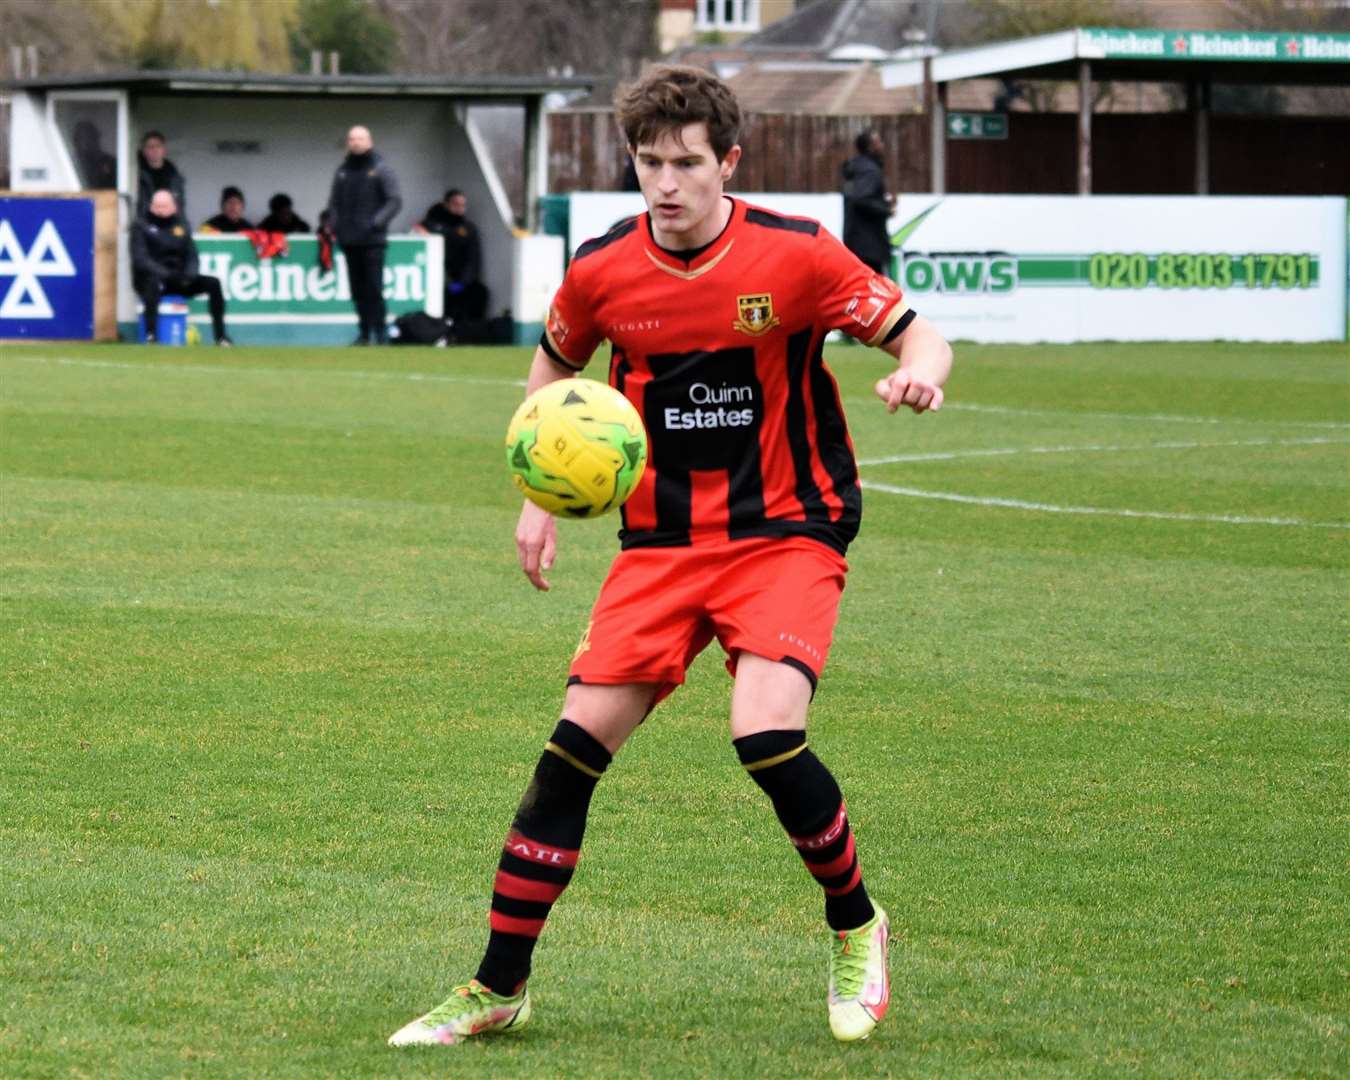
(364,200)
(867,204)
(157,173)
(164,260)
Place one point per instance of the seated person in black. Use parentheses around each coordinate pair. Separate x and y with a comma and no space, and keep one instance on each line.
(164,260)
(281,216)
(466,296)
(231,217)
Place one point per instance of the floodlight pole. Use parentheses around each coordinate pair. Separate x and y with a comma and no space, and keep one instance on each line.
(935,104)
(1084,127)
(1198,95)
(536,160)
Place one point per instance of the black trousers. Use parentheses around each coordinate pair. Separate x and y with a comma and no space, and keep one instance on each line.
(468,304)
(150,287)
(365,274)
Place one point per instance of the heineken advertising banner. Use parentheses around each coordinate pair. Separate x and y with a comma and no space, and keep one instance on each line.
(1291,48)
(1065,268)
(292,298)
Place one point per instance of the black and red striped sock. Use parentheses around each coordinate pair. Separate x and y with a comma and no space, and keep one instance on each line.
(809,804)
(540,853)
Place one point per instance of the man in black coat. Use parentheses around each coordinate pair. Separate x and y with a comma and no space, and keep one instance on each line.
(465,295)
(164,260)
(867,204)
(364,200)
(157,173)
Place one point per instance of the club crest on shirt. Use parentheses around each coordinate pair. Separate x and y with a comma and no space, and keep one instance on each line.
(754,314)
(557,329)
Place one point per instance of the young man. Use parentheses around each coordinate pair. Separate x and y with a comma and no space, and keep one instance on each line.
(717,312)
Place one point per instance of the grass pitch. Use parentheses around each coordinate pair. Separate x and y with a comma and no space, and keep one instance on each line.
(273,684)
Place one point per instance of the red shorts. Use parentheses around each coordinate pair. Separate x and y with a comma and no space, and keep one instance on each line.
(661,606)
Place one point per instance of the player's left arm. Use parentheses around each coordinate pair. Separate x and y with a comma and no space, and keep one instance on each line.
(925,362)
(871,307)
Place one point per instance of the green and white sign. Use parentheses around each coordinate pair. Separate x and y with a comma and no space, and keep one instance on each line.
(1053,268)
(969,125)
(296,299)
(1294,48)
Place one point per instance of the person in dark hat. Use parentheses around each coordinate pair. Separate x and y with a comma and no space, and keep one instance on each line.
(231,217)
(281,216)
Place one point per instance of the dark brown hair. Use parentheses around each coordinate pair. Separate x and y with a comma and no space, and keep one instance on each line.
(670,96)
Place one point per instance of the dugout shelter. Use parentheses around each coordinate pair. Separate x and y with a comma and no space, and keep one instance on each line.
(1197,59)
(286,133)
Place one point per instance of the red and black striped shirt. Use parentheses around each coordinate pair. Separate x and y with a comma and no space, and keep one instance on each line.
(722,355)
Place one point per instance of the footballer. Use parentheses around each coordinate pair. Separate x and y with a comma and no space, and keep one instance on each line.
(717,311)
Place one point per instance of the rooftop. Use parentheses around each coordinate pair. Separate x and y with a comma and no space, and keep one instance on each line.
(245,82)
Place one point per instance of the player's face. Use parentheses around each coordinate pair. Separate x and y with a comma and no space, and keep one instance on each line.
(682,181)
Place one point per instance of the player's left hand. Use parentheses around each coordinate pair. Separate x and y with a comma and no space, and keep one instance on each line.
(899,388)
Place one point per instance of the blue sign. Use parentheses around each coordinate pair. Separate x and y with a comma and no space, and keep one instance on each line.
(46,268)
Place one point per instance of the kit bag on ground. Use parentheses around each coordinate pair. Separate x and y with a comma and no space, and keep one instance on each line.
(419,328)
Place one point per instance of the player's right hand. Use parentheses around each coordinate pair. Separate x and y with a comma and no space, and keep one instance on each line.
(536,543)
(899,388)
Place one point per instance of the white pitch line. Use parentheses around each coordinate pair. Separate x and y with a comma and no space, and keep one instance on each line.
(1093,448)
(1050,508)
(1166,418)
(219,369)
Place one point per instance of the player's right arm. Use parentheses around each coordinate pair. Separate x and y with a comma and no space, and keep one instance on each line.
(537,529)
(570,336)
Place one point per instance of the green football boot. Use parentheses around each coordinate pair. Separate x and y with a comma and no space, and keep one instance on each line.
(470,1010)
(860,986)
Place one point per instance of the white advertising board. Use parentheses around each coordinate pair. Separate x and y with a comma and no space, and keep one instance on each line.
(1010,268)
(1065,268)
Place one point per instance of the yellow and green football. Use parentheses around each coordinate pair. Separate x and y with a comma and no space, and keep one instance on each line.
(577,448)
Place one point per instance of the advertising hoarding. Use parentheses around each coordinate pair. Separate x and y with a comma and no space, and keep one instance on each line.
(47,268)
(1064,268)
(294,298)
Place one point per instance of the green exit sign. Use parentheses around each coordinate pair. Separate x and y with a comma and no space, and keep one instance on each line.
(973,125)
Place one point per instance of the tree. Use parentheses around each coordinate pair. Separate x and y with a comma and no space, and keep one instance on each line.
(70,37)
(524,37)
(1326,16)
(228,35)
(1003,20)
(355,29)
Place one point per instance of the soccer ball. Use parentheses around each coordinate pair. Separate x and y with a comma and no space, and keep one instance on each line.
(577,448)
